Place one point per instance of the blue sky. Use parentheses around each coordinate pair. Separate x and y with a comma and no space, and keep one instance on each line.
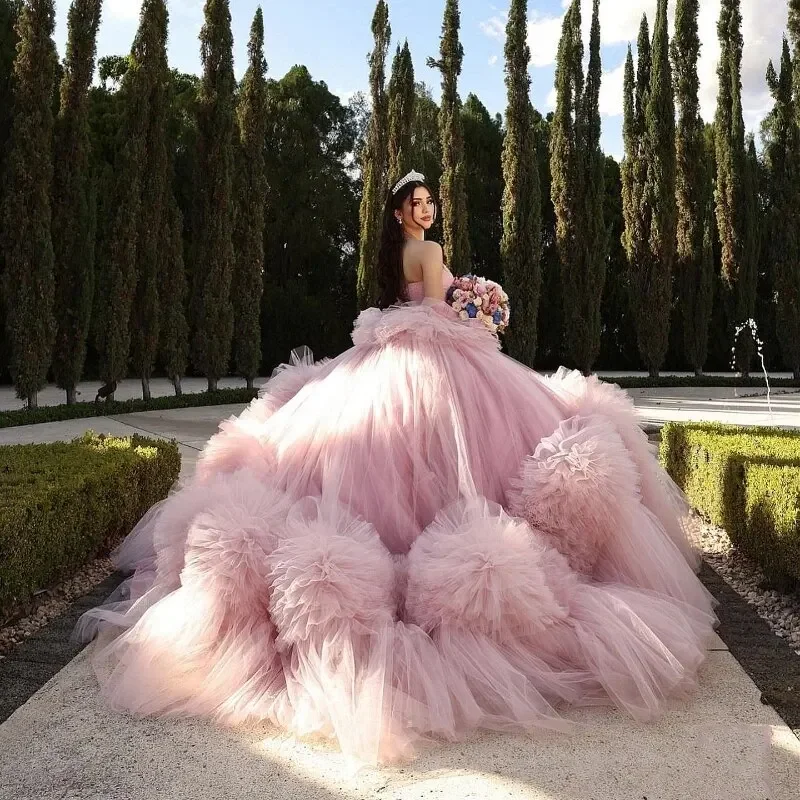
(332,38)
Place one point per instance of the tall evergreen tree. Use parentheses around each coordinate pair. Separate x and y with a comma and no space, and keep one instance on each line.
(146,311)
(248,279)
(74,200)
(731,188)
(9,12)
(520,247)
(452,189)
(634,168)
(653,286)
(648,178)
(174,328)
(633,171)
(401,114)
(577,169)
(117,282)
(694,269)
(375,160)
(782,158)
(28,277)
(214,256)
(630,163)
(584,333)
(748,289)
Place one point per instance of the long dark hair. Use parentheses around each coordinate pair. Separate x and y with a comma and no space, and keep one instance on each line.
(391,280)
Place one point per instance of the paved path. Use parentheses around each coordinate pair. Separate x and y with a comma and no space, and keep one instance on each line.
(64,744)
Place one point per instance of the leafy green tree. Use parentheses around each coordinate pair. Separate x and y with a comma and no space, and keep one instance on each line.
(311,239)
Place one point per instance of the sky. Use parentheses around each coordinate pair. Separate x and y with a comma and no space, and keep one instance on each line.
(333,38)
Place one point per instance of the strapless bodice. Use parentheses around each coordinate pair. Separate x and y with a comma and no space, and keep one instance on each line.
(416,289)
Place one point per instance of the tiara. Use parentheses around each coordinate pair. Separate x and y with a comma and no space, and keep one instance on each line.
(412,176)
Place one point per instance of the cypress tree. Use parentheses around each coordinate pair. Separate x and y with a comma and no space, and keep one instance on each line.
(649,190)
(28,281)
(630,162)
(731,189)
(174,327)
(520,247)
(452,188)
(117,282)
(565,172)
(9,11)
(577,168)
(401,113)
(584,338)
(248,279)
(146,311)
(694,269)
(213,268)
(633,172)
(783,161)
(644,69)
(748,288)
(74,206)
(375,161)
(654,283)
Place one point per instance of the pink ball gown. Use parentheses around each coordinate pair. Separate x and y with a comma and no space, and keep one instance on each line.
(417,539)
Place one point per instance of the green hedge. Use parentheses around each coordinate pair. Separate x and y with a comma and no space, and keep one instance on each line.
(62,504)
(747,481)
(34,416)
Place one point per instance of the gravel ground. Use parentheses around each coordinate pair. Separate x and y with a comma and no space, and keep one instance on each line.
(781,611)
(53,603)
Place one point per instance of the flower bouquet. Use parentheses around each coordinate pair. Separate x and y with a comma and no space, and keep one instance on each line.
(477,298)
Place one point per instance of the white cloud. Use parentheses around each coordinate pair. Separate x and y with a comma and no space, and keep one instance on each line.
(495,28)
(762,28)
(611,94)
(125,10)
(493,60)
(543,34)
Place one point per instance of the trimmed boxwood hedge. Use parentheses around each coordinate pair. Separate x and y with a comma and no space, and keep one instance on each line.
(747,481)
(62,504)
(34,416)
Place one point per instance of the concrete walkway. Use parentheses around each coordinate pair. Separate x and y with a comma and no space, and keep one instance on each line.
(63,743)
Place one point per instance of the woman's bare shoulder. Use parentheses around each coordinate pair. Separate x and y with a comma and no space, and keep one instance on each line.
(424,253)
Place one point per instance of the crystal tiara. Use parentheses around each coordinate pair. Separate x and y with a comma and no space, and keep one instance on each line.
(412,176)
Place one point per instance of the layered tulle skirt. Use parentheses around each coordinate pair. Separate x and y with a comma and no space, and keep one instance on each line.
(414,540)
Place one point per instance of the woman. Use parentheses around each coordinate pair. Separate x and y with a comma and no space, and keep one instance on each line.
(414,540)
